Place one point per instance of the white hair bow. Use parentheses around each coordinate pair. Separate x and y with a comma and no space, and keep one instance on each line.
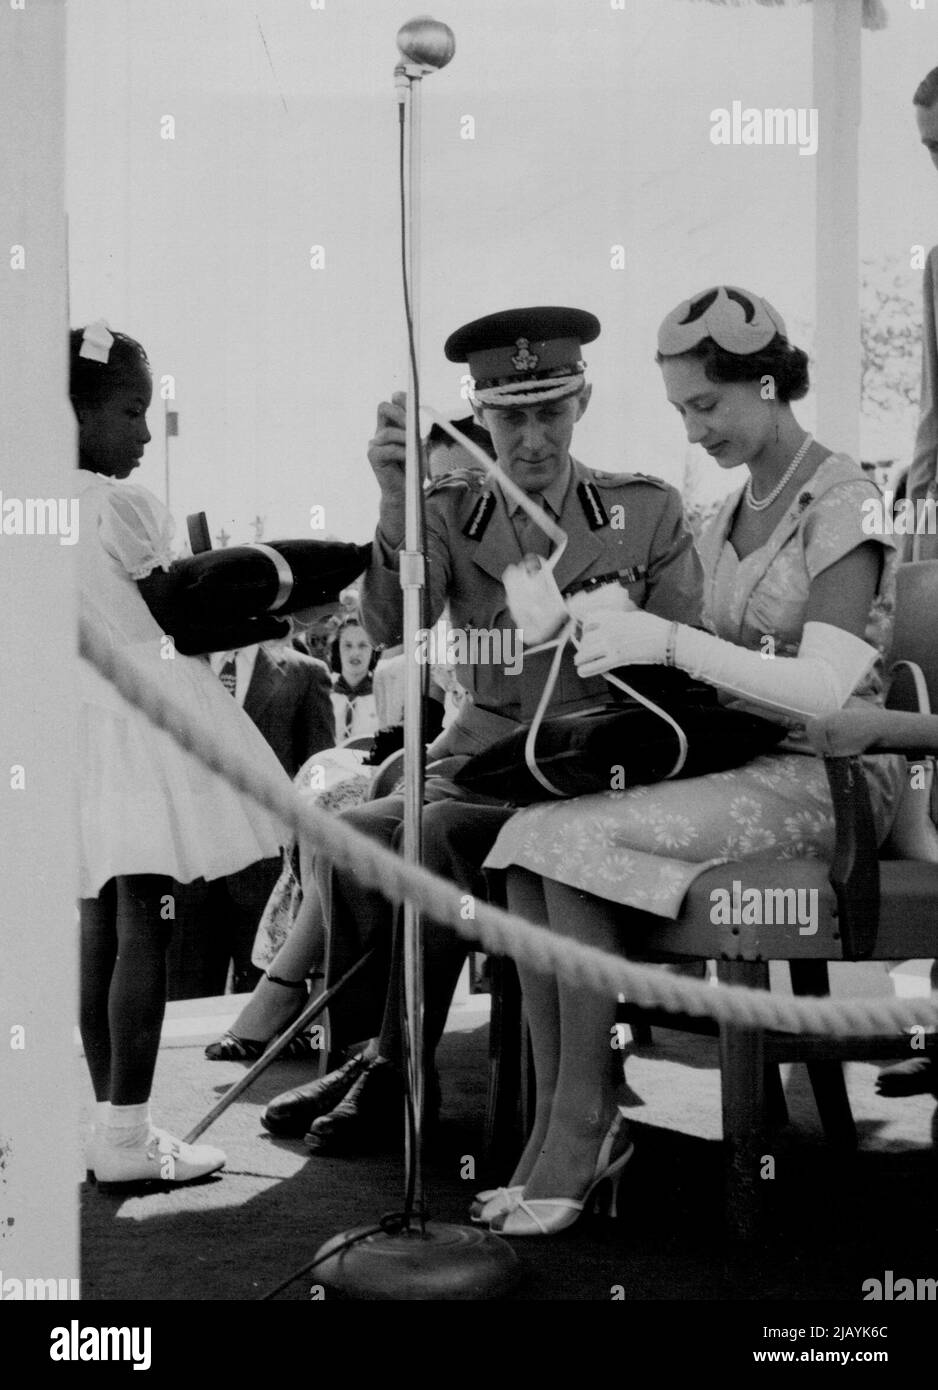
(96,341)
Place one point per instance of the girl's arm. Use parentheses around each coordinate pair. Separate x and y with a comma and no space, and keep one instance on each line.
(158,592)
(195,634)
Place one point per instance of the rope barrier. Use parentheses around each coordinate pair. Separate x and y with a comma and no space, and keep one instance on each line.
(500,932)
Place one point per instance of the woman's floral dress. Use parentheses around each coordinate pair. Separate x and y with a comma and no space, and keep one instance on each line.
(644,846)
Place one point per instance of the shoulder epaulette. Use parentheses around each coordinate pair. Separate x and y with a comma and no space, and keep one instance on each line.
(462,478)
(623,479)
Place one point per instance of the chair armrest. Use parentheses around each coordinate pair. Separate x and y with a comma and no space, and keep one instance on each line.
(908,688)
(854,871)
(875,730)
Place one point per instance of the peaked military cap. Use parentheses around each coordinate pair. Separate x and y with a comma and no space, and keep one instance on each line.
(524,356)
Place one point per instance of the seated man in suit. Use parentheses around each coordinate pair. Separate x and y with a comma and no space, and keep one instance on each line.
(626,529)
(288,696)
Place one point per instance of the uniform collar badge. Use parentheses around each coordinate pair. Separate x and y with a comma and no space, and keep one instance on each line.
(592,506)
(480,517)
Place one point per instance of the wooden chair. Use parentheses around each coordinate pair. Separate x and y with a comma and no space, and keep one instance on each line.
(868,909)
(386,776)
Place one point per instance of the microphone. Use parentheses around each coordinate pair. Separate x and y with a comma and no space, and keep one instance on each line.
(426,42)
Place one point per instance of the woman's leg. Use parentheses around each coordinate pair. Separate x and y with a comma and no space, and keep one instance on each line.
(590,1080)
(137,995)
(272,1006)
(541,1001)
(98,952)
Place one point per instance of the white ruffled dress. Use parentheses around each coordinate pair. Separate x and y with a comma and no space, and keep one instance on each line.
(146,806)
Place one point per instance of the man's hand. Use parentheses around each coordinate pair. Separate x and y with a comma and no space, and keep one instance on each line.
(386,454)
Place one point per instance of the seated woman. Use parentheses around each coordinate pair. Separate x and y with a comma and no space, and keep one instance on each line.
(797,603)
(290,943)
(291,939)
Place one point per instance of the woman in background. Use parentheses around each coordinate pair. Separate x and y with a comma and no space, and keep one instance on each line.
(353,659)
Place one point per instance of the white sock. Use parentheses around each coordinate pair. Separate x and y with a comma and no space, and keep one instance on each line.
(126,1126)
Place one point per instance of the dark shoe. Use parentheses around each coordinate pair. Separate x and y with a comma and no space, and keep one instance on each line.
(292,1113)
(372,1114)
(916,1077)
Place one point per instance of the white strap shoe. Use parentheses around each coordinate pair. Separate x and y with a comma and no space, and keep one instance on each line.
(160,1158)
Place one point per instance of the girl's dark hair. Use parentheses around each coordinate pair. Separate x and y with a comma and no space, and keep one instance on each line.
(335,659)
(90,382)
(926,93)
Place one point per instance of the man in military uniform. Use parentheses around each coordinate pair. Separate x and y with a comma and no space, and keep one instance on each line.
(528,390)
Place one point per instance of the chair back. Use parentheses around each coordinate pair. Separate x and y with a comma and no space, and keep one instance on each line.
(914,687)
(386,777)
(915,631)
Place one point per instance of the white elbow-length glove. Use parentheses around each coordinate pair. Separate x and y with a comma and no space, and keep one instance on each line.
(819,680)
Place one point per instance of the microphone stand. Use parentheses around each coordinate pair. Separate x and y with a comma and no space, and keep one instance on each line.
(413,581)
(408,1259)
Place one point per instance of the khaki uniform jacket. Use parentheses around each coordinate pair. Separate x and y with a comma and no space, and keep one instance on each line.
(645,534)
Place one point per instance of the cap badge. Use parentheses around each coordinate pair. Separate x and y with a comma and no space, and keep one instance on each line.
(525,361)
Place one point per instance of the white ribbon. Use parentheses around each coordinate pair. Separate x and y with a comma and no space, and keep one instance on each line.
(96,341)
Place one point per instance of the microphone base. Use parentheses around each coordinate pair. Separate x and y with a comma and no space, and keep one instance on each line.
(442,1262)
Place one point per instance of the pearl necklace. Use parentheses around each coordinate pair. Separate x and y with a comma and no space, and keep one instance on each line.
(784,480)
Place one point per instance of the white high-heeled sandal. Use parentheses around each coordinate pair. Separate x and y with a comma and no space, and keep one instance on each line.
(493,1202)
(547,1216)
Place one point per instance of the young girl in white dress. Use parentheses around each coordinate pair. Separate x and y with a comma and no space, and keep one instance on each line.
(149,811)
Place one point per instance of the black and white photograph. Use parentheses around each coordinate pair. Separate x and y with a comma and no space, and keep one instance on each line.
(469,556)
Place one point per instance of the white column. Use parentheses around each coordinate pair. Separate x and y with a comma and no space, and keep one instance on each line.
(837,27)
(40,1072)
